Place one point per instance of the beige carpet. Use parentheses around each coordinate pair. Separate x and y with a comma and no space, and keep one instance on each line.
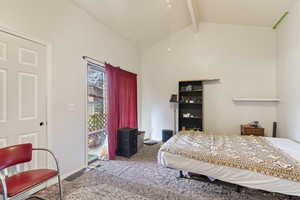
(141,178)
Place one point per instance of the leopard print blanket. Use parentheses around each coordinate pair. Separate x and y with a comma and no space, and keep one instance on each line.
(245,152)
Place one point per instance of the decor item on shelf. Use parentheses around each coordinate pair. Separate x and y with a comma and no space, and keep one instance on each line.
(254,124)
(174,101)
(190,100)
(190,115)
(197,88)
(189,88)
(186,115)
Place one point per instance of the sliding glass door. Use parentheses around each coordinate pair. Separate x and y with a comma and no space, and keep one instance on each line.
(96,113)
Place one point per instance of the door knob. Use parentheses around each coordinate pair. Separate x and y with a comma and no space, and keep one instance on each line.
(41,123)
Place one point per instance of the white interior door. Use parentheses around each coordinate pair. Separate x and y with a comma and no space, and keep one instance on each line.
(22,95)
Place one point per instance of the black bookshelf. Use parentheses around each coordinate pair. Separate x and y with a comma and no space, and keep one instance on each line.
(190,105)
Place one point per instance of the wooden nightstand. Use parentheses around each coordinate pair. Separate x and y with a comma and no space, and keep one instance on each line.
(250,130)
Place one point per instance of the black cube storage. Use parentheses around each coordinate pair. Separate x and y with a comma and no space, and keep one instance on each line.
(166,135)
(127,142)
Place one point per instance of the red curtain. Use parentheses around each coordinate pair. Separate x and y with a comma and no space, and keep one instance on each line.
(122,103)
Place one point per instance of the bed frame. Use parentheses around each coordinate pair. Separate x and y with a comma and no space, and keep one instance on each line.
(203,178)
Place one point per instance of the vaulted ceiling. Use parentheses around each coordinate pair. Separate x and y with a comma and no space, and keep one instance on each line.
(145,22)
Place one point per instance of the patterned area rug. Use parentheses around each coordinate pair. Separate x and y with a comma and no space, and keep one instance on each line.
(140,177)
(102,192)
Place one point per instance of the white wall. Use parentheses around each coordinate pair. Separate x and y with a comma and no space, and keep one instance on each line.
(289,74)
(73,34)
(243,57)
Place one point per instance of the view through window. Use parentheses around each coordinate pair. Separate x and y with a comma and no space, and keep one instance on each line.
(96,112)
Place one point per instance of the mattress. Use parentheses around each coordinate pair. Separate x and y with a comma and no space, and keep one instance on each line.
(238,176)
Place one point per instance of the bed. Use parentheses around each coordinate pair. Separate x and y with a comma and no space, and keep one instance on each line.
(252,178)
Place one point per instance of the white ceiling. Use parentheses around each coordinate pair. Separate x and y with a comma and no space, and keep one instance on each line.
(145,22)
(243,12)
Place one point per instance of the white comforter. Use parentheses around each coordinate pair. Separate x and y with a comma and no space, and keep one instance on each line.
(239,176)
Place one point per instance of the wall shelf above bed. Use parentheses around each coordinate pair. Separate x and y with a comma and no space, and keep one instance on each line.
(203,80)
(256,100)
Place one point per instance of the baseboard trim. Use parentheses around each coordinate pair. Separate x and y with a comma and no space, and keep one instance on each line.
(63,177)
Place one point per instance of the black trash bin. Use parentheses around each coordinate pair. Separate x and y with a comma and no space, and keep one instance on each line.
(166,135)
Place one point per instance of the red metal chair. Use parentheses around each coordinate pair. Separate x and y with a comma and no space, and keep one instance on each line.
(17,185)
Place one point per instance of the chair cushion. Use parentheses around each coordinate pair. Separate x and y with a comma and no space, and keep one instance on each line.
(26,180)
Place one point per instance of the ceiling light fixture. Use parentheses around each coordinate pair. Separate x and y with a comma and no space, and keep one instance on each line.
(169,4)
